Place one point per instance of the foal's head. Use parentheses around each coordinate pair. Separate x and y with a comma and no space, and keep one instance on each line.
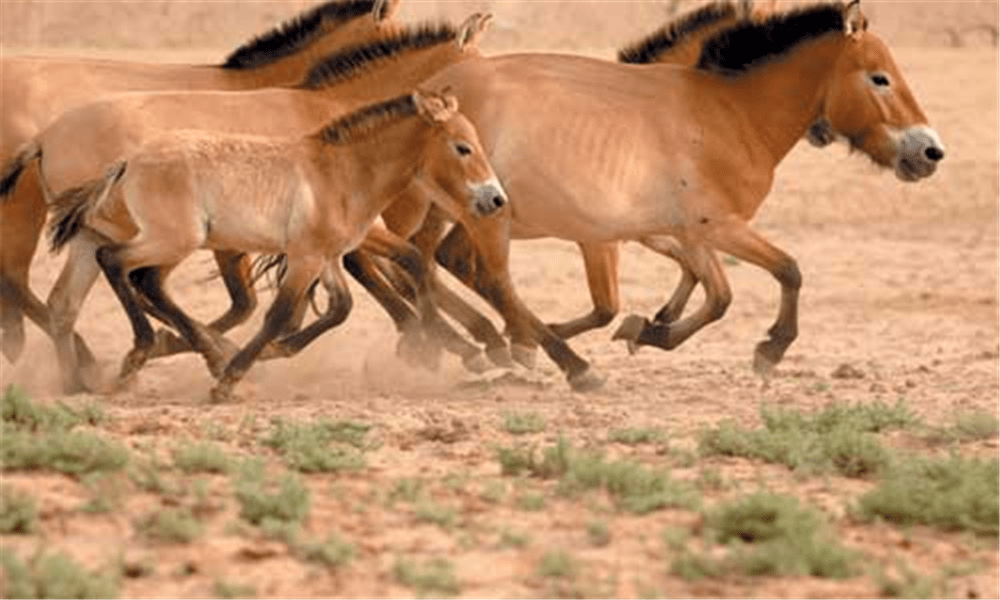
(868,101)
(454,160)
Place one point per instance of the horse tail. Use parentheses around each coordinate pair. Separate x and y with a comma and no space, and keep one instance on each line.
(10,172)
(71,208)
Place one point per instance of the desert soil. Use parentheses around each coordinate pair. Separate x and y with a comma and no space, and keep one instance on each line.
(900,285)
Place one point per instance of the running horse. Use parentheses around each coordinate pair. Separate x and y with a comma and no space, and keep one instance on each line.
(34,91)
(597,152)
(311,198)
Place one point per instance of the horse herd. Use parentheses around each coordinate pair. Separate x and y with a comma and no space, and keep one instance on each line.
(346,137)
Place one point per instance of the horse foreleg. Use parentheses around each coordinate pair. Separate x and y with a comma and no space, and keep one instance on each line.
(744,243)
(302,272)
(601,264)
(22,217)
(639,331)
(669,247)
(493,281)
(338,308)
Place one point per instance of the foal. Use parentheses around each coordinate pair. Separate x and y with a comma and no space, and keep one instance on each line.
(311,198)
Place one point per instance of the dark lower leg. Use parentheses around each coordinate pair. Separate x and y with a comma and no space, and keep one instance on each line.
(144,337)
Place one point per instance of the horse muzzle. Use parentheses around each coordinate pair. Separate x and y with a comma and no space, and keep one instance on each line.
(488,198)
(918,152)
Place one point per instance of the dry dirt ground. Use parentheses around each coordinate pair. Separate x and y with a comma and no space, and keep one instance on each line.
(900,285)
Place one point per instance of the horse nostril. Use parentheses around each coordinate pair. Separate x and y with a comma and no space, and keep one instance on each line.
(498,201)
(934,153)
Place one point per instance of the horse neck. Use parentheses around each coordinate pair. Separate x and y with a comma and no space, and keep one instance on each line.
(377,168)
(399,75)
(777,102)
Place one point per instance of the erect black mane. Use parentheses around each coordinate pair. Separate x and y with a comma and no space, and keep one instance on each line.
(348,63)
(368,119)
(651,47)
(297,33)
(744,46)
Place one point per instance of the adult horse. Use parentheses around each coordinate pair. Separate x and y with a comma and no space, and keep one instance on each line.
(597,152)
(34,91)
(311,198)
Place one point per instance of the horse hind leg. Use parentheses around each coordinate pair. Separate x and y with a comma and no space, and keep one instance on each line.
(111,261)
(22,217)
(600,262)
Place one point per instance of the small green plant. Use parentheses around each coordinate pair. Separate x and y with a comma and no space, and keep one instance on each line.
(17,512)
(171,526)
(407,489)
(202,457)
(429,512)
(147,475)
(952,493)
(522,423)
(334,552)
(908,584)
(530,502)
(598,534)
(258,500)
(320,447)
(436,577)
(513,539)
(52,575)
(634,436)
(969,426)
(493,492)
(557,564)
(229,589)
(693,566)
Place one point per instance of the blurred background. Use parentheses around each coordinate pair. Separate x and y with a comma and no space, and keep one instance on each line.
(581,25)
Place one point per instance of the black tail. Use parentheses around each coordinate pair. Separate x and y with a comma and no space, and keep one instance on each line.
(10,172)
(70,208)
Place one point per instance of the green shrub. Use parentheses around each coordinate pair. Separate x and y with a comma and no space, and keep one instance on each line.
(435,577)
(633,436)
(319,447)
(333,552)
(202,457)
(171,525)
(17,512)
(258,500)
(52,575)
(522,423)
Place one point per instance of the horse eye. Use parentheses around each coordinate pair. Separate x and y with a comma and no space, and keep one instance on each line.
(463,149)
(880,80)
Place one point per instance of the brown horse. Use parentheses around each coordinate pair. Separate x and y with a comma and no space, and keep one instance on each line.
(81,143)
(34,91)
(598,152)
(311,198)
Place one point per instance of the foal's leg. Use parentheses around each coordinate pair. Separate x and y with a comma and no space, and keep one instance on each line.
(601,264)
(302,272)
(338,308)
(111,261)
(705,266)
(234,267)
(490,277)
(742,242)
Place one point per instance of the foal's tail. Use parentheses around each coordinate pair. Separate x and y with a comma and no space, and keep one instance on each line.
(10,172)
(71,208)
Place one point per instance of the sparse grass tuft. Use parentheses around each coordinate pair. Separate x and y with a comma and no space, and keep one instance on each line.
(334,552)
(17,512)
(258,500)
(230,589)
(557,563)
(598,534)
(52,575)
(768,534)
(321,446)
(953,493)
(202,457)
(493,492)
(530,502)
(513,539)
(171,526)
(969,426)
(522,423)
(407,489)
(429,512)
(839,439)
(633,436)
(436,577)
(632,486)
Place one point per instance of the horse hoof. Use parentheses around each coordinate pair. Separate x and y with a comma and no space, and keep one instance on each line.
(524,355)
(477,363)
(765,358)
(500,356)
(630,330)
(587,381)
(221,394)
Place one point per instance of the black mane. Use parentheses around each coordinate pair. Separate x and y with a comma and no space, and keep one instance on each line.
(344,65)
(649,49)
(297,33)
(368,119)
(744,46)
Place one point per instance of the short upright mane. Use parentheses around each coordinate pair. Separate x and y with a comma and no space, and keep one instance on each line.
(364,121)
(297,33)
(351,62)
(744,46)
(649,49)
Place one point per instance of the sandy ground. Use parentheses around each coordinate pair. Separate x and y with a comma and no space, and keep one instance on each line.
(901,284)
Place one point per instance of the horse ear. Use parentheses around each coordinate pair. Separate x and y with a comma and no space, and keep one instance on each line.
(435,108)
(471,29)
(384,9)
(854,20)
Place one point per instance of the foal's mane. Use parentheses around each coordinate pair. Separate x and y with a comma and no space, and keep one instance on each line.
(351,62)
(296,33)
(650,48)
(747,45)
(367,120)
